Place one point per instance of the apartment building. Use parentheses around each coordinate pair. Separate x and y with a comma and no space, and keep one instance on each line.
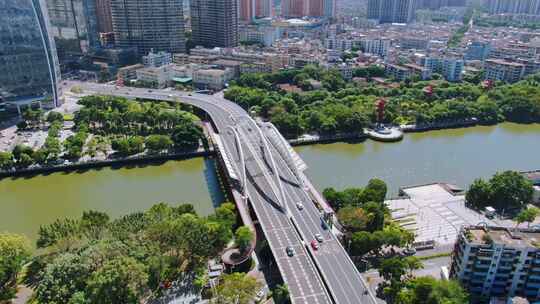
(450,68)
(498,262)
(499,69)
(477,50)
(376,46)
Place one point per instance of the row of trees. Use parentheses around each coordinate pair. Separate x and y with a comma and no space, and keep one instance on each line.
(346,108)
(94,259)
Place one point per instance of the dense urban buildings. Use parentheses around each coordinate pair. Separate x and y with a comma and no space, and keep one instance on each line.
(214,23)
(28,61)
(496,261)
(391,11)
(74,21)
(149,24)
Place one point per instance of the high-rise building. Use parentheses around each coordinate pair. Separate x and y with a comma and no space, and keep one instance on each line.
(249,10)
(104,17)
(28,61)
(437,4)
(310,8)
(498,262)
(530,7)
(391,11)
(214,23)
(76,21)
(149,24)
(329,8)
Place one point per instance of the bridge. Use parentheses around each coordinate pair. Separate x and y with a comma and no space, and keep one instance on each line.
(270,177)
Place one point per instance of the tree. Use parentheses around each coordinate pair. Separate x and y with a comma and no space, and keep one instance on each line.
(353,218)
(510,190)
(243,237)
(158,143)
(280,294)
(427,290)
(14,252)
(6,160)
(62,278)
(63,232)
(55,116)
(396,271)
(479,194)
(94,223)
(237,288)
(25,160)
(186,136)
(527,215)
(375,191)
(120,280)
(375,212)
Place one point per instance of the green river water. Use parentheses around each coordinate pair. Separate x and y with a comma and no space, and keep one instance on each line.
(456,156)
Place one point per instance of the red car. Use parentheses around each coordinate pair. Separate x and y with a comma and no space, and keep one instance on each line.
(315,245)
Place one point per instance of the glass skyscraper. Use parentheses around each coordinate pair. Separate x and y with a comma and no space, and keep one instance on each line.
(29,67)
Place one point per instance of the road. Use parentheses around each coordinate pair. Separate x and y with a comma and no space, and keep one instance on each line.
(313,276)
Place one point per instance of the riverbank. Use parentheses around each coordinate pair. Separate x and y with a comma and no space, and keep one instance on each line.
(105,163)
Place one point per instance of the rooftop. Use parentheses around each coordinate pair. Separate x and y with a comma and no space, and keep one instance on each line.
(504,236)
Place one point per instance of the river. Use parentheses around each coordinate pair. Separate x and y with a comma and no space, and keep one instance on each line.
(455,156)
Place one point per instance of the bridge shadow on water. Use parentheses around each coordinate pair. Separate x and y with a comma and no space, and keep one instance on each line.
(211,176)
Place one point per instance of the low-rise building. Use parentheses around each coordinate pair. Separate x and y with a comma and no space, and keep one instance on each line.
(503,70)
(397,72)
(232,65)
(256,67)
(129,72)
(497,261)
(158,76)
(157,59)
(212,79)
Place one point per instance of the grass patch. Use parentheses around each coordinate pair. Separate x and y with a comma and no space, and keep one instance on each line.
(68,117)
